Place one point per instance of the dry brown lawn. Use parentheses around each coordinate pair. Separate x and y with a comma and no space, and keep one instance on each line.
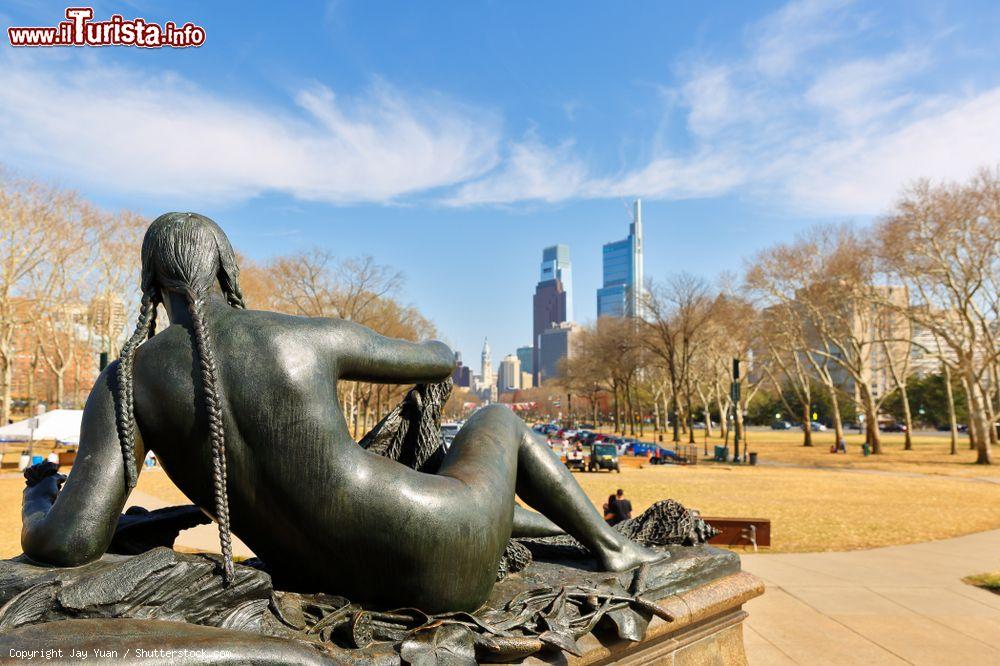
(811,508)
(930,454)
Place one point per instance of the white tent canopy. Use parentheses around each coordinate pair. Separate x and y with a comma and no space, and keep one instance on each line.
(62,425)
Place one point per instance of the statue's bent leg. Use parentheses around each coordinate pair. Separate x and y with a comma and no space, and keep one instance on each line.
(539,478)
(531,524)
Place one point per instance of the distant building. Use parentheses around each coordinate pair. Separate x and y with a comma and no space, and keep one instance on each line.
(527,381)
(486,361)
(462,374)
(66,339)
(526,355)
(621,295)
(554,345)
(557,266)
(876,331)
(509,376)
(484,383)
(552,302)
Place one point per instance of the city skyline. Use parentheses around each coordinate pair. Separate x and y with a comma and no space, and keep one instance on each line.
(352,127)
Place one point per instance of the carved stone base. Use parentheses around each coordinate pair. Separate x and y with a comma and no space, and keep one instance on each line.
(683,609)
(707,629)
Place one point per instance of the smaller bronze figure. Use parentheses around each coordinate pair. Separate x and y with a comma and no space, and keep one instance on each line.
(242,411)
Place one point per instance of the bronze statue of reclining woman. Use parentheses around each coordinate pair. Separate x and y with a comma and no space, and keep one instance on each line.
(241,409)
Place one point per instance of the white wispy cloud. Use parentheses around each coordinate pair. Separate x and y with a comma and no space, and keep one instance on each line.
(119,129)
(819,110)
(795,119)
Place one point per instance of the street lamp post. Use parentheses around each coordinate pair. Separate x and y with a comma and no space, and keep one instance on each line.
(735,391)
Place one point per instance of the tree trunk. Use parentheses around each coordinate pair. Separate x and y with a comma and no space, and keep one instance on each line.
(656,418)
(807,435)
(743,426)
(907,418)
(951,409)
(6,377)
(631,412)
(977,422)
(723,425)
(838,424)
(677,420)
(60,387)
(871,419)
(614,398)
(991,417)
(690,418)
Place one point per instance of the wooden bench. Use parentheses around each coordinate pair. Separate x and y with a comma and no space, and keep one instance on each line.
(741,531)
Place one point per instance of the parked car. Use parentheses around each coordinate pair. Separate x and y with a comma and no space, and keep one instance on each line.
(816,426)
(893,427)
(662,456)
(781,425)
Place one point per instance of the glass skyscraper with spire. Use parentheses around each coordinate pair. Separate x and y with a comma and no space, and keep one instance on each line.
(621,295)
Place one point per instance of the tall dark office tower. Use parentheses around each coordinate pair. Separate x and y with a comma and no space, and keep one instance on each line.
(552,303)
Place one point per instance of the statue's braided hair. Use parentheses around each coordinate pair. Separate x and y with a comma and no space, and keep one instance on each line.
(126,410)
(213,404)
(185,253)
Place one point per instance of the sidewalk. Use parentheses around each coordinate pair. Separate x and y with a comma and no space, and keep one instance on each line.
(896,605)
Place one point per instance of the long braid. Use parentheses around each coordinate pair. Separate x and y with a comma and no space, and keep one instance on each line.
(213,404)
(123,394)
(234,296)
(152,319)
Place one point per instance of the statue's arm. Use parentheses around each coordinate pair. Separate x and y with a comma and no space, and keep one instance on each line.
(364,355)
(74,525)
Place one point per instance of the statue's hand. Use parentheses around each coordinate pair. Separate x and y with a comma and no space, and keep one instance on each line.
(43,481)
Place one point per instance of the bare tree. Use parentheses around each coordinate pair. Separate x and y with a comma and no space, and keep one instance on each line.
(826,278)
(943,242)
(315,283)
(677,313)
(27,220)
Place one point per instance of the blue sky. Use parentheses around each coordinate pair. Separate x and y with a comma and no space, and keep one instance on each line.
(454,140)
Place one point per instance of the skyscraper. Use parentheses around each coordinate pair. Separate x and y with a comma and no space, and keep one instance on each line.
(551,301)
(526,355)
(462,374)
(621,295)
(554,344)
(557,266)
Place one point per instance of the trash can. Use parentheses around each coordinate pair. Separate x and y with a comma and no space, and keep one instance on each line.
(753,457)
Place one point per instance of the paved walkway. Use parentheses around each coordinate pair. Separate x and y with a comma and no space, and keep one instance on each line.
(896,605)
